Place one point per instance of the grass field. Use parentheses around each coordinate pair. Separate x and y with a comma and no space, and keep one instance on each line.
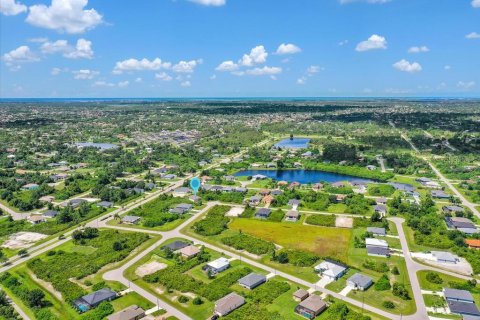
(326,242)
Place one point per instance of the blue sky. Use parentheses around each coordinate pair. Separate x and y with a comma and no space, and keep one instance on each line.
(239,48)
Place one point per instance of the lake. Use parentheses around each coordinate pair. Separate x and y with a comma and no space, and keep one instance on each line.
(295,143)
(302,176)
(101,146)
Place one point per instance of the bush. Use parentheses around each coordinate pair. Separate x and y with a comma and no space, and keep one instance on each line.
(383,283)
(214,223)
(399,290)
(276,216)
(388,304)
(434,277)
(384,190)
(183,299)
(395,271)
(251,244)
(381,267)
(296,257)
(197,301)
(266,293)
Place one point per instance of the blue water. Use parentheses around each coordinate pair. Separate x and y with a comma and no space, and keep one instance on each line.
(302,176)
(296,143)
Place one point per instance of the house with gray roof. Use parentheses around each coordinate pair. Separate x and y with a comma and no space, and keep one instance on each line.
(105,204)
(440,194)
(458,295)
(133,312)
(50,214)
(131,219)
(445,257)
(300,295)
(229,303)
(460,302)
(377,231)
(359,282)
(176,245)
(92,300)
(452,209)
(263,213)
(378,251)
(252,280)
(380,209)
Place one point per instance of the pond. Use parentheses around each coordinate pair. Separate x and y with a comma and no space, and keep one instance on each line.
(295,143)
(102,146)
(302,176)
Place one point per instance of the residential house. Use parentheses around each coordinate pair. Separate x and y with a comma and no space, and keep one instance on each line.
(461,224)
(378,251)
(48,199)
(92,300)
(30,186)
(339,184)
(276,192)
(300,295)
(105,204)
(255,200)
(176,245)
(263,213)
(189,251)
(381,201)
(36,219)
(460,302)
(229,178)
(371,167)
(292,216)
(440,194)
(445,257)
(473,243)
(377,231)
(380,209)
(252,280)
(133,312)
(311,307)
(259,177)
(217,266)
(294,203)
(359,282)
(330,269)
(130,219)
(229,303)
(402,186)
(50,214)
(182,192)
(453,209)
(373,242)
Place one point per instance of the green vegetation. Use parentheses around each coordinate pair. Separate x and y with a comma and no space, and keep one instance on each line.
(251,244)
(214,223)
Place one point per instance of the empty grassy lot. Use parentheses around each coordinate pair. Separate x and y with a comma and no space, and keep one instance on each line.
(324,241)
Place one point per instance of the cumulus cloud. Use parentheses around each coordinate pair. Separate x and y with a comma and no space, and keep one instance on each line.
(85,74)
(103,84)
(264,71)
(405,66)
(228,66)
(476,3)
(257,55)
(213,3)
(418,49)
(123,84)
(140,65)
(18,56)
(64,16)
(314,69)
(466,85)
(11,7)
(288,48)
(185,84)
(82,50)
(375,42)
(186,66)
(473,35)
(163,76)
(56,71)
(302,80)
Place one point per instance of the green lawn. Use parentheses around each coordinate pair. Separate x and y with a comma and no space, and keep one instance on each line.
(166,227)
(337,208)
(129,299)
(432,300)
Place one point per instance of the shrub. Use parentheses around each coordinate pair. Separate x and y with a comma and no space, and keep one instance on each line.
(388,304)
(395,271)
(383,283)
(434,277)
(214,223)
(376,266)
(251,244)
(276,216)
(296,257)
(197,301)
(183,299)
(266,293)
(401,291)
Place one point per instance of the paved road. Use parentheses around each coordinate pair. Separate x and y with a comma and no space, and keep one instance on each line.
(19,310)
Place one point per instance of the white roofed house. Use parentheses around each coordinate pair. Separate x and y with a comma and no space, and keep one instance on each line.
(217,266)
(445,257)
(330,269)
(380,209)
(182,192)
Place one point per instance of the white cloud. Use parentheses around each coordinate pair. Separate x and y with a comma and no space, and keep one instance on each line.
(138,80)
(185,84)
(103,84)
(123,84)
(264,71)
(314,69)
(227,66)
(186,66)
(302,80)
(373,43)
(163,76)
(140,65)
(257,55)
(447,67)
(418,49)
(405,66)
(82,50)
(213,3)
(22,54)
(11,7)
(85,74)
(213,77)
(476,3)
(64,16)
(343,42)
(473,35)
(466,85)
(55,71)
(288,48)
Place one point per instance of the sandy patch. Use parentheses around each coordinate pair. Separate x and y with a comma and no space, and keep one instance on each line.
(149,268)
(344,222)
(22,240)
(46,285)
(234,212)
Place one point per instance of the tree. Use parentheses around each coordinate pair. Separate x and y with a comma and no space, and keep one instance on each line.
(383,283)
(401,291)
(35,298)
(395,271)
(117,246)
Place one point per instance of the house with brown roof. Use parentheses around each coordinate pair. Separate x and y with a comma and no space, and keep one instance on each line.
(311,307)
(189,251)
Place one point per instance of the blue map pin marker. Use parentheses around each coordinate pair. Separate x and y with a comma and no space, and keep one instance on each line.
(195,185)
